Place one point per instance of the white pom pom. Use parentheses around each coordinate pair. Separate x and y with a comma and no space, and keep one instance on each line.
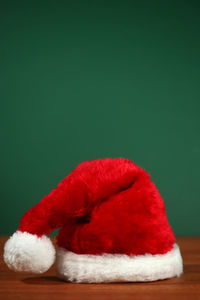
(29,253)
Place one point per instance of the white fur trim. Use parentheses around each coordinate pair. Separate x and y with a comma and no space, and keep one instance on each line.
(118,267)
(28,252)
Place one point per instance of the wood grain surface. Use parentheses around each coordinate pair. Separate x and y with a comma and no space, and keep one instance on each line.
(24,286)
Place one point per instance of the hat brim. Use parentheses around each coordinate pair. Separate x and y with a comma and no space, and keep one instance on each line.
(87,268)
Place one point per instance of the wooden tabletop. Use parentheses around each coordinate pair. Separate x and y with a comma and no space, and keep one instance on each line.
(21,286)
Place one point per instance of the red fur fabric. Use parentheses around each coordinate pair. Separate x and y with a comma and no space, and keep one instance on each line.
(107,205)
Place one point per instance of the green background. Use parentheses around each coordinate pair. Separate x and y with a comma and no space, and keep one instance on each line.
(90,79)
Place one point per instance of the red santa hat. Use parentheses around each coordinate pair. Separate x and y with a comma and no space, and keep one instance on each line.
(113,228)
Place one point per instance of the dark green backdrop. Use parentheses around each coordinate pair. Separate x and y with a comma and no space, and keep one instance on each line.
(89,79)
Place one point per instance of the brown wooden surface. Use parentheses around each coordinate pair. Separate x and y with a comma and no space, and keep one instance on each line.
(47,286)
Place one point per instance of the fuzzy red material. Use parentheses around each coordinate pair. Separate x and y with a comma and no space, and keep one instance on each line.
(108,205)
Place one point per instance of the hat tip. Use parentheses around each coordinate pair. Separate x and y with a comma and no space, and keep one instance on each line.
(27,252)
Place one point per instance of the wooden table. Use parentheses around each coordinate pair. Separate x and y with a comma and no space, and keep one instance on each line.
(47,286)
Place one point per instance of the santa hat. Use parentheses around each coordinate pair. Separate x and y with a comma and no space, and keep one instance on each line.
(113,228)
